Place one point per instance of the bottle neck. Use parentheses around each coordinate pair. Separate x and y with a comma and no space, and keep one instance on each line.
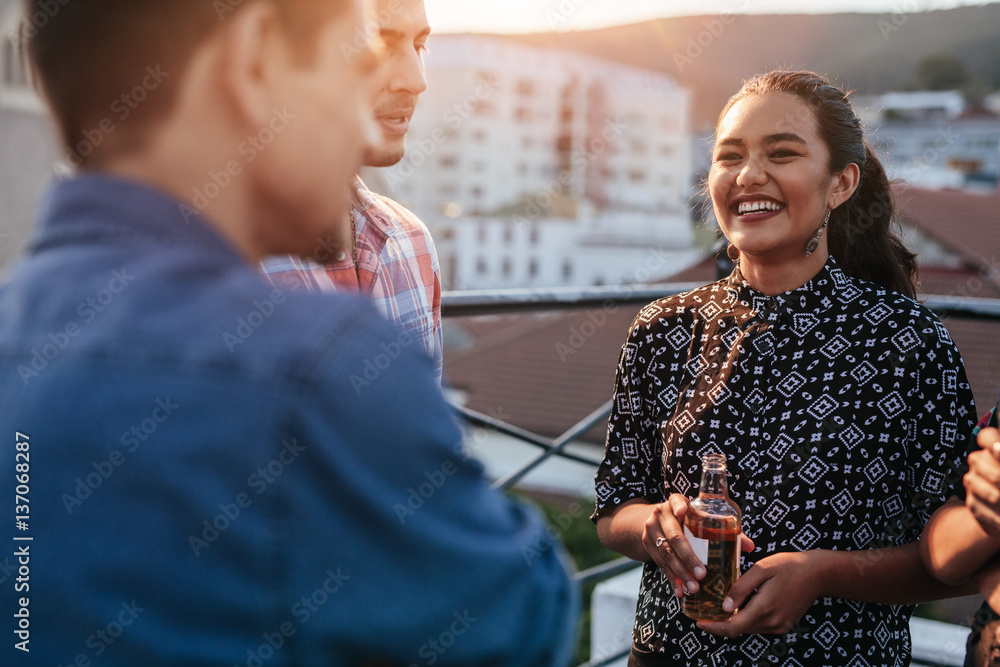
(713,476)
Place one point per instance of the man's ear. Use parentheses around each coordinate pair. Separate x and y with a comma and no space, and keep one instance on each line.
(254,59)
(845,183)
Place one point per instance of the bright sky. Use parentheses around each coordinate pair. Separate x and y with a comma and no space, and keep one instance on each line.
(545,15)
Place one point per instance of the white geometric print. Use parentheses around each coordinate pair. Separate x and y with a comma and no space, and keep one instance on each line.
(679,337)
(823,407)
(780,447)
(863,372)
(803,323)
(791,384)
(834,347)
(892,405)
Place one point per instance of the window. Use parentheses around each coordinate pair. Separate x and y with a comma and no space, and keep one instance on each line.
(506,267)
(477,192)
(15,85)
(508,234)
(526,87)
(534,235)
(522,115)
(481,267)
(567,269)
(637,176)
(448,161)
(482,107)
(481,234)
(15,70)
(533,267)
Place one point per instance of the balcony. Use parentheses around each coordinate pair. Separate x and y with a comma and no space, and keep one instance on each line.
(613,601)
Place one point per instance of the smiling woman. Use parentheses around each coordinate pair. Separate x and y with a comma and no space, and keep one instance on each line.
(791,143)
(841,405)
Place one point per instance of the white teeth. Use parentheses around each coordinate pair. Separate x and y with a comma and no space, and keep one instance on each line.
(755,206)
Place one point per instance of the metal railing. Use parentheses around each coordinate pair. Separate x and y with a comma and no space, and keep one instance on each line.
(508,301)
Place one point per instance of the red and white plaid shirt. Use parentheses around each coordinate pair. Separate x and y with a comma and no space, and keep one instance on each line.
(397,268)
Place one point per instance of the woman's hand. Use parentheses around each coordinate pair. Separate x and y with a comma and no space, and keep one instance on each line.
(663,538)
(982,482)
(786,585)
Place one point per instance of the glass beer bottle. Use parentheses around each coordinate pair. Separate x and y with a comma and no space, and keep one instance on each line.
(712,526)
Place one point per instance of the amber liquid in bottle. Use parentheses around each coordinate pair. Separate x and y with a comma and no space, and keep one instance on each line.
(712,527)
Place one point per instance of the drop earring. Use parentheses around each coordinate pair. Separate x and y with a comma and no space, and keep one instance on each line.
(733,253)
(814,241)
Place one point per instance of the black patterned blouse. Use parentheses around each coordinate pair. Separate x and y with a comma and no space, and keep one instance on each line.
(843,409)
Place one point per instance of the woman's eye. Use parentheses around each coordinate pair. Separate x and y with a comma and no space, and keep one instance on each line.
(783,153)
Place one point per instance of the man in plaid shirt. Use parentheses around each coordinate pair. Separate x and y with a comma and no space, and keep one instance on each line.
(394,262)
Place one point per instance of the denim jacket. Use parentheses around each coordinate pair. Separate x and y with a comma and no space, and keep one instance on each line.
(215,472)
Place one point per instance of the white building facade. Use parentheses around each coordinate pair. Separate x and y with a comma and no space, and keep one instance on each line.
(535,167)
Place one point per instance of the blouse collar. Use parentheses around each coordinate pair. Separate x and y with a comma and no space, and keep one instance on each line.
(813,298)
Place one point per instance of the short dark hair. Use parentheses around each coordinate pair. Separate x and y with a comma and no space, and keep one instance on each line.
(861,230)
(100,63)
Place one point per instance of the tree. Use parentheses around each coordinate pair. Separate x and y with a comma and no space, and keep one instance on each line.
(941,71)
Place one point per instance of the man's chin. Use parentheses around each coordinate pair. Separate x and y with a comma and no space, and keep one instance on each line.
(383,157)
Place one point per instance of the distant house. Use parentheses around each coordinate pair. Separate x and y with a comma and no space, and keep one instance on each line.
(934,139)
(27,149)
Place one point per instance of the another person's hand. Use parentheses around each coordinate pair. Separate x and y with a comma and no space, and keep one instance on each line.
(786,586)
(663,538)
(982,482)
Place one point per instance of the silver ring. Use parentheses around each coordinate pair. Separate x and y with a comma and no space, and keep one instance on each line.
(660,541)
(995,449)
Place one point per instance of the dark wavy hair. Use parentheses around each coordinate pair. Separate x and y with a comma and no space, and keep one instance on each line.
(861,235)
